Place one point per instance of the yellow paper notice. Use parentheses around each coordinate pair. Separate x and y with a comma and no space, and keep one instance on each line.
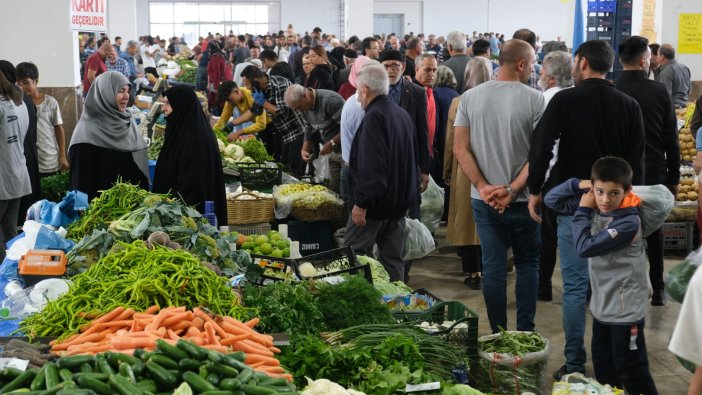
(690,34)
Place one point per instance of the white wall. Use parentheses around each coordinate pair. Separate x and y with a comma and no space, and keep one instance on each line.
(359,18)
(305,15)
(669,32)
(413,11)
(121,20)
(56,56)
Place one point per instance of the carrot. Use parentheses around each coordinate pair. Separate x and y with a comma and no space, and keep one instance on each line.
(193,332)
(180,326)
(158,320)
(232,329)
(177,318)
(152,310)
(105,318)
(126,314)
(256,365)
(197,340)
(286,376)
(117,323)
(257,346)
(144,316)
(198,312)
(255,358)
(233,339)
(172,335)
(210,335)
(252,322)
(124,342)
(270,369)
(198,323)
(241,346)
(274,350)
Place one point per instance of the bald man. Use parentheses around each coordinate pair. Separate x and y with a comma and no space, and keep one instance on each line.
(492,149)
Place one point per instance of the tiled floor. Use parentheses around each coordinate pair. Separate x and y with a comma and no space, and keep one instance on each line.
(441,274)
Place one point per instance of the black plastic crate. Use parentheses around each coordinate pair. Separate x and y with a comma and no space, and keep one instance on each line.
(314,237)
(274,270)
(678,236)
(334,262)
(259,176)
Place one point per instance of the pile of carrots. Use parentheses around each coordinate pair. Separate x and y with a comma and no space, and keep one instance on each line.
(124,330)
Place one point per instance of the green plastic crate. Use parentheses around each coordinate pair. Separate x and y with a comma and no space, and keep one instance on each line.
(465,338)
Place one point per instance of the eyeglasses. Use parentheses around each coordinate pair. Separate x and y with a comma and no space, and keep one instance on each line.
(392,66)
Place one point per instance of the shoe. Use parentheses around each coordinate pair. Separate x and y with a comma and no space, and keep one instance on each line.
(474,283)
(658,298)
(558,374)
(545,295)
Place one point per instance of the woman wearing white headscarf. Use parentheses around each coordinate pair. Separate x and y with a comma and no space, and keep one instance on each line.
(106,144)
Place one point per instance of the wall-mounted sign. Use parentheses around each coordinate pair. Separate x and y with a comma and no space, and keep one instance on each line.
(89,15)
(690,34)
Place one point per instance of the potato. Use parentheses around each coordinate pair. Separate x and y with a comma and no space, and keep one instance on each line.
(684,188)
(692,195)
(681,196)
(686,158)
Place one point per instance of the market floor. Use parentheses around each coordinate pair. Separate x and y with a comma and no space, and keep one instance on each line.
(440,273)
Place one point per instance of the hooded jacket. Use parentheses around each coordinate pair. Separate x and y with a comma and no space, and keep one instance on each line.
(613,244)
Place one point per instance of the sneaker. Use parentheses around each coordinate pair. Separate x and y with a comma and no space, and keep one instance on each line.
(474,283)
(558,374)
(658,298)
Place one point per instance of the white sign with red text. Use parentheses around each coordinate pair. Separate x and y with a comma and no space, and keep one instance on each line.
(89,15)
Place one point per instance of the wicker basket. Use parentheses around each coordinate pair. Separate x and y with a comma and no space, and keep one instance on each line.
(250,211)
(325,212)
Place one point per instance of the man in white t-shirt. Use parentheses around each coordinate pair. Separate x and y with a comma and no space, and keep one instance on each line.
(687,338)
(148,55)
(51,142)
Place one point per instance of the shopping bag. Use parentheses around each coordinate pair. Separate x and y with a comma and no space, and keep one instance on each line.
(322,172)
(432,208)
(656,204)
(418,240)
(678,277)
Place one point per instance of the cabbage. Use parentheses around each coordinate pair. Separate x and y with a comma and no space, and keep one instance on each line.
(377,269)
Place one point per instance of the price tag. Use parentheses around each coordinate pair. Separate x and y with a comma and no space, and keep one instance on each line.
(16,363)
(423,387)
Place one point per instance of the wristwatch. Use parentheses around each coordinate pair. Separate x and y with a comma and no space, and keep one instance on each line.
(511,191)
(334,144)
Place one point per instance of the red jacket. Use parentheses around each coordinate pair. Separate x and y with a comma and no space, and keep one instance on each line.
(218,70)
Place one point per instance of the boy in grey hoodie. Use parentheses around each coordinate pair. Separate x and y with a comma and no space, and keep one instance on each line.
(607,230)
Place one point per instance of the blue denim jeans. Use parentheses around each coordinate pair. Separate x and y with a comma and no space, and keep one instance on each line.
(576,278)
(497,233)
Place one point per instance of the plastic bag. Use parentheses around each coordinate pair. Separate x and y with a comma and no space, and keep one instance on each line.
(418,240)
(432,208)
(322,172)
(656,204)
(59,214)
(302,195)
(510,374)
(678,277)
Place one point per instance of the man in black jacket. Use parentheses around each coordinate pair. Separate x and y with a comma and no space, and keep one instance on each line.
(662,146)
(383,174)
(591,120)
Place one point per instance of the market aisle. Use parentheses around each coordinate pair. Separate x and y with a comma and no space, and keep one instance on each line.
(440,274)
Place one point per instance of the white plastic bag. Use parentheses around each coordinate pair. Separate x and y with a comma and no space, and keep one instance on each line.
(432,208)
(322,172)
(656,204)
(418,240)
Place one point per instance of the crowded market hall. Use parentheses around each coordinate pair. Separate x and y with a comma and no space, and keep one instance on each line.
(245,197)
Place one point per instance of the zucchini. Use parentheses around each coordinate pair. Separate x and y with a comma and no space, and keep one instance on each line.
(171,351)
(229,384)
(126,371)
(123,386)
(94,384)
(213,378)
(103,366)
(164,361)
(86,368)
(39,382)
(193,350)
(65,374)
(224,370)
(189,364)
(254,390)
(21,381)
(245,376)
(9,374)
(51,376)
(162,376)
(239,356)
(74,361)
(147,385)
(197,383)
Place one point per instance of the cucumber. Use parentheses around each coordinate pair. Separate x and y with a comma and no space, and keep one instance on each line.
(21,381)
(115,358)
(260,376)
(213,378)
(74,361)
(224,370)
(103,366)
(75,391)
(239,356)
(65,375)
(51,375)
(216,356)
(10,374)
(193,350)
(254,390)
(126,371)
(235,363)
(217,392)
(52,391)
(39,382)
(197,383)
(189,364)
(164,361)
(123,386)
(147,385)
(170,351)
(96,385)
(94,376)
(245,376)
(229,384)
(86,368)
(162,376)
(139,352)
(274,382)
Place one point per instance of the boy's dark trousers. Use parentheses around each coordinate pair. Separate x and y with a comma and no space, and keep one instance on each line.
(615,363)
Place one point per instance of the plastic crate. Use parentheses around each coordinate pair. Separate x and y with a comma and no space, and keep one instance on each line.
(465,338)
(314,237)
(678,236)
(253,229)
(274,270)
(404,303)
(335,262)
(259,176)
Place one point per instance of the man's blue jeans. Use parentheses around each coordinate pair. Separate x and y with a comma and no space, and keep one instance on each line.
(497,232)
(576,278)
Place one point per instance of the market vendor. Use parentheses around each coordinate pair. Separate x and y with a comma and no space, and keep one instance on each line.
(321,113)
(106,144)
(233,95)
(189,165)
